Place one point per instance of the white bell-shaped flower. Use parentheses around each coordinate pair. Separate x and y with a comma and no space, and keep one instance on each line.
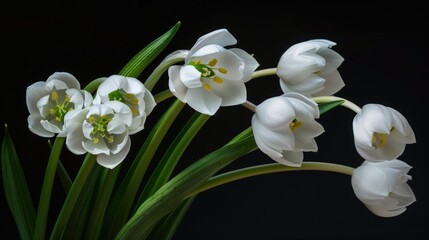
(285,126)
(382,187)
(381,132)
(48,102)
(212,76)
(310,68)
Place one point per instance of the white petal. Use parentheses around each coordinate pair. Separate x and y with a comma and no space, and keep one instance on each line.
(175,84)
(51,127)
(308,86)
(190,77)
(381,212)
(219,37)
(376,118)
(310,129)
(333,59)
(149,101)
(258,131)
(68,79)
(33,93)
(232,93)
(113,160)
(305,144)
(122,111)
(137,124)
(280,139)
(291,158)
(203,101)
(116,125)
(333,84)
(250,63)
(370,184)
(36,127)
(275,112)
(76,97)
(99,148)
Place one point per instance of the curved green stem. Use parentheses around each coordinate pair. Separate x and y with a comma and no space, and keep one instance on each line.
(92,86)
(45,196)
(161,96)
(346,102)
(264,72)
(269,168)
(250,106)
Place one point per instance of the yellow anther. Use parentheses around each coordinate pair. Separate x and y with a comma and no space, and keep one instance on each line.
(110,139)
(67,98)
(212,62)
(70,109)
(379,139)
(58,119)
(135,111)
(294,125)
(91,119)
(131,98)
(218,80)
(207,86)
(198,62)
(223,70)
(54,95)
(52,111)
(95,140)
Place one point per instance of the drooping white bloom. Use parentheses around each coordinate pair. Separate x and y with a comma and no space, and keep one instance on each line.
(212,76)
(48,102)
(310,68)
(381,132)
(102,130)
(130,91)
(285,126)
(382,187)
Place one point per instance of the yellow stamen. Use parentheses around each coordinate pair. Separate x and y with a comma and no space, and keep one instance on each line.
(294,125)
(91,119)
(54,95)
(95,140)
(223,70)
(198,62)
(218,80)
(58,119)
(132,98)
(67,98)
(379,139)
(135,111)
(110,139)
(212,62)
(207,86)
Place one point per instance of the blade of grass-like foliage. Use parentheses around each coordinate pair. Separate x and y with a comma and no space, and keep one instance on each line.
(16,190)
(143,58)
(171,194)
(326,106)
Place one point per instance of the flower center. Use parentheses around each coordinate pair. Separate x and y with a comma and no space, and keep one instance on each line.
(295,124)
(209,72)
(128,98)
(99,124)
(380,139)
(61,105)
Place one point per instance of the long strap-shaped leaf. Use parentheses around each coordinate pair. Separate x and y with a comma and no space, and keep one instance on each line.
(168,197)
(143,58)
(16,189)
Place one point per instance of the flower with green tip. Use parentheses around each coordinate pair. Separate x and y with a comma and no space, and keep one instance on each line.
(285,126)
(130,91)
(381,132)
(212,76)
(310,68)
(48,102)
(102,130)
(382,187)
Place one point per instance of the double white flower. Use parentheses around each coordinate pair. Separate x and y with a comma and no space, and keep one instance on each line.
(310,68)
(120,109)
(383,188)
(285,126)
(48,103)
(381,133)
(212,76)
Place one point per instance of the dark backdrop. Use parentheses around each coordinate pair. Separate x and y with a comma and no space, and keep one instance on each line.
(385,62)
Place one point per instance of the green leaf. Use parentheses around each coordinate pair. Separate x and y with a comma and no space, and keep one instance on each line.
(142,59)
(16,190)
(326,106)
(171,194)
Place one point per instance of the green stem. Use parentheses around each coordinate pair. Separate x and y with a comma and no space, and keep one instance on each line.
(264,72)
(269,168)
(73,196)
(161,96)
(45,195)
(92,86)
(346,102)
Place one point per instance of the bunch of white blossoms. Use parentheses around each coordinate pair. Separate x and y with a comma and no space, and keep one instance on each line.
(100,125)
(212,76)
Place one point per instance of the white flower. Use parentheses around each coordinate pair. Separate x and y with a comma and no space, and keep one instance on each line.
(130,91)
(310,68)
(48,102)
(285,126)
(102,129)
(383,188)
(381,133)
(212,76)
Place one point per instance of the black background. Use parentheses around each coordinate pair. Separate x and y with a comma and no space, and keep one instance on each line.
(386,62)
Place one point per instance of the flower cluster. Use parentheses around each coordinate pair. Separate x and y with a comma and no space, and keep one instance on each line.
(212,76)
